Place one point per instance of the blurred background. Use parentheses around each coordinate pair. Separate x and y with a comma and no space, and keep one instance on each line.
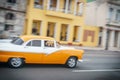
(84,23)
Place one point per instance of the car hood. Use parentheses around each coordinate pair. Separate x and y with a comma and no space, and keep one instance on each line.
(6,44)
(5,40)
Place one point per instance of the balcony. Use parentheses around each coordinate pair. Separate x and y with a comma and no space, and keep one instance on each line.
(2,19)
(116,2)
(52,8)
(38,6)
(12,22)
(11,6)
(60,15)
(2,4)
(114,23)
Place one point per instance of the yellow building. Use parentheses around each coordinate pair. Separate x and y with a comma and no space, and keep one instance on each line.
(61,19)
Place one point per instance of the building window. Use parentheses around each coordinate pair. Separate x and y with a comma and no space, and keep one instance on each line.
(68,6)
(36,27)
(64,32)
(53,5)
(34,43)
(49,43)
(76,34)
(10,16)
(80,7)
(51,29)
(118,16)
(38,4)
(8,27)
(11,1)
(110,13)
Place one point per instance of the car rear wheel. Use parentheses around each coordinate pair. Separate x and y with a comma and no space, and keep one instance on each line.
(71,62)
(15,62)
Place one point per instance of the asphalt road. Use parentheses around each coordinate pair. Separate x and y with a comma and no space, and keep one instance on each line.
(97,65)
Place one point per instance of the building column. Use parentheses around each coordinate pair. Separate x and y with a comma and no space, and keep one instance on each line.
(29,26)
(40,32)
(118,45)
(66,6)
(80,8)
(48,4)
(58,5)
(80,33)
(112,38)
(57,31)
(75,7)
(70,32)
(43,4)
(44,28)
(104,37)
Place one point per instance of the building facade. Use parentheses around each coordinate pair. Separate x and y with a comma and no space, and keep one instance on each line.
(105,14)
(12,16)
(60,19)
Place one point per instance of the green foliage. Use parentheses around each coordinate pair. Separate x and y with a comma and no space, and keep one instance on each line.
(90,0)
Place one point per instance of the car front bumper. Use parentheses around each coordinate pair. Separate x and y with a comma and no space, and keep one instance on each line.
(80,60)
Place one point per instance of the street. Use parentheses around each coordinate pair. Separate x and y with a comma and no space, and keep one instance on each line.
(96,65)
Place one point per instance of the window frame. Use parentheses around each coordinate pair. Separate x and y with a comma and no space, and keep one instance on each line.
(32,42)
(12,1)
(8,27)
(10,16)
(117,17)
(50,45)
(38,5)
(110,13)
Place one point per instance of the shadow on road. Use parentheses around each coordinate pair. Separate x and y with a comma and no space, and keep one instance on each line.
(43,66)
(5,65)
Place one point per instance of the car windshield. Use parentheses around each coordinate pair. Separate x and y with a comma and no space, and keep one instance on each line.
(17,41)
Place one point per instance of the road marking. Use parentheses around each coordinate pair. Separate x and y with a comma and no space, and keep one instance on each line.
(86,60)
(102,70)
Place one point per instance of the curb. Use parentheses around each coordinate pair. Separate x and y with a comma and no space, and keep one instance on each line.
(92,48)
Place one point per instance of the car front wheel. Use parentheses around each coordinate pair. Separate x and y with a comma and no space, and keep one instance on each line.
(71,62)
(15,62)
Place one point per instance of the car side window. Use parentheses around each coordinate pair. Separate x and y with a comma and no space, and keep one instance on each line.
(48,43)
(34,43)
(29,43)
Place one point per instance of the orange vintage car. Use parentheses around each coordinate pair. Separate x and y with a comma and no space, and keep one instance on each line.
(38,50)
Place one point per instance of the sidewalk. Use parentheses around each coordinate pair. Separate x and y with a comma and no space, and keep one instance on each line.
(93,48)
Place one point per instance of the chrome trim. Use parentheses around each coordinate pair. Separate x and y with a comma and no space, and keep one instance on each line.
(80,60)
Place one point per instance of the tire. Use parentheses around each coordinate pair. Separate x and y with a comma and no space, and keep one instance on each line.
(71,62)
(15,62)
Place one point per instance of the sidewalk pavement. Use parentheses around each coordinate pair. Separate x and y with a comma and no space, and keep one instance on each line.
(77,47)
(93,48)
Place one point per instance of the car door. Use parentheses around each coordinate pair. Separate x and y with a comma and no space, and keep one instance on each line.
(51,53)
(34,51)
